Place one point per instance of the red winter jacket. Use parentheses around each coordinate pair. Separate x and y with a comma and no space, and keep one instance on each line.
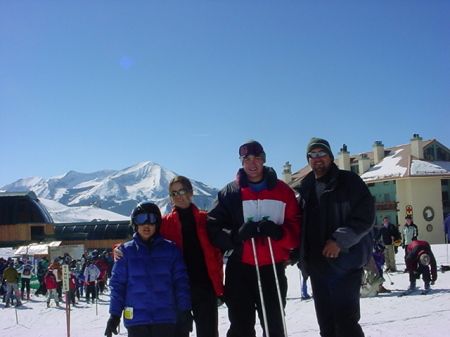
(171,230)
(72,281)
(414,250)
(50,281)
(237,203)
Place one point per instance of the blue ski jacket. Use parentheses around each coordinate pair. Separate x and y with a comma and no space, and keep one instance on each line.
(152,279)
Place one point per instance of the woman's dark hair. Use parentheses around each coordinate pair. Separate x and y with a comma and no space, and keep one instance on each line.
(183,181)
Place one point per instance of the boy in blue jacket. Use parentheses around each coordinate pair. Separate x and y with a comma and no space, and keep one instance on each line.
(149,284)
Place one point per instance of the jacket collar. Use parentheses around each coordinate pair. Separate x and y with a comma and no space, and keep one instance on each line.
(269,174)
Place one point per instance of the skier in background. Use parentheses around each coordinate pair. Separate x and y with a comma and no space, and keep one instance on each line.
(51,285)
(26,272)
(420,260)
(91,273)
(11,276)
(410,232)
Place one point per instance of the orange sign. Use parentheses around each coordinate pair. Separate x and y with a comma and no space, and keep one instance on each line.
(409,210)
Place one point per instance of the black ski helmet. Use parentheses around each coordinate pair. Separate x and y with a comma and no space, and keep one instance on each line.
(146,207)
(379,247)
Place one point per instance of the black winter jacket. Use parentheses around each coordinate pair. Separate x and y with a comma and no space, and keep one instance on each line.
(346,215)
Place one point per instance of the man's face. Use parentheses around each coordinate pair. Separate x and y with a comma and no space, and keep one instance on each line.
(385,222)
(409,221)
(253,167)
(319,164)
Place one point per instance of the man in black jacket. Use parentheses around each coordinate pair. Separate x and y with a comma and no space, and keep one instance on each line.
(389,233)
(337,239)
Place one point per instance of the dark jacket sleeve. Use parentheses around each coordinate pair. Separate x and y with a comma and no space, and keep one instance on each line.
(225,217)
(360,211)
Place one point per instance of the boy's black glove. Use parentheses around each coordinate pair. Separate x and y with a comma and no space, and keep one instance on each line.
(184,322)
(111,326)
(248,230)
(271,229)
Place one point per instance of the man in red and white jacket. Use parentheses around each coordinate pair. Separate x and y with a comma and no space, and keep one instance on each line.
(256,208)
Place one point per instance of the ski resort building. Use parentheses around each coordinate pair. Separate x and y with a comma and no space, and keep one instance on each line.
(24,221)
(410,179)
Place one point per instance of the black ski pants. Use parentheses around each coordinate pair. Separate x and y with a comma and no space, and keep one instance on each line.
(151,330)
(205,311)
(336,299)
(243,299)
(421,269)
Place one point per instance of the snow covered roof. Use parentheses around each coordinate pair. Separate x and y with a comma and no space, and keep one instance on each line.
(36,249)
(398,162)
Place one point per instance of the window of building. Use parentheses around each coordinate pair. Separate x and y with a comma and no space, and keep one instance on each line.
(434,152)
(355,169)
(37,233)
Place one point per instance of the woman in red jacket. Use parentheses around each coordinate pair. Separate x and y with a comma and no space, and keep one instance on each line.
(186,226)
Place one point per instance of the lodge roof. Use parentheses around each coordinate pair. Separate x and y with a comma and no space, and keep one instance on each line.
(398,162)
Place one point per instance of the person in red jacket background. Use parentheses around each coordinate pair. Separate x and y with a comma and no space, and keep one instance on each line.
(420,259)
(52,285)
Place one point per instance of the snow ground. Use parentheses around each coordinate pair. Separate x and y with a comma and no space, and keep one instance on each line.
(386,315)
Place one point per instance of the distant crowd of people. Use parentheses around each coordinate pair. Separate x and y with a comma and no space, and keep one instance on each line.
(88,275)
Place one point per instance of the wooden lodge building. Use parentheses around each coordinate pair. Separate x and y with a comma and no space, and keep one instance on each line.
(24,220)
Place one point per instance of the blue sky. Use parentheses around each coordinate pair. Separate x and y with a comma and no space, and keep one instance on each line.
(92,85)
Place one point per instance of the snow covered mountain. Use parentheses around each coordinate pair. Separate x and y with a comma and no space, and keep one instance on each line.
(116,191)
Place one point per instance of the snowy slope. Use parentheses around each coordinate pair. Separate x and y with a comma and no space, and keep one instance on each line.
(386,315)
(64,214)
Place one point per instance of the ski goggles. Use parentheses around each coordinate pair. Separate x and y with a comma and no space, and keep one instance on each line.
(253,148)
(143,218)
(180,192)
(317,154)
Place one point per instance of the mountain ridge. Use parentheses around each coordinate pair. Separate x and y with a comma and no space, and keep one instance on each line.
(117,191)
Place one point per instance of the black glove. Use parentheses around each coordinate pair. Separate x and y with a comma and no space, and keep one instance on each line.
(184,322)
(111,326)
(248,230)
(270,229)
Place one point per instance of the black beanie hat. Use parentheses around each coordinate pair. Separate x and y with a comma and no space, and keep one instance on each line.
(315,142)
(251,147)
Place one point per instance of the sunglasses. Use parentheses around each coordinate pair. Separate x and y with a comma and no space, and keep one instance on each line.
(252,148)
(180,192)
(143,218)
(317,154)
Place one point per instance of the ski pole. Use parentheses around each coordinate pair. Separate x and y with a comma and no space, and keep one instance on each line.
(278,286)
(280,301)
(446,239)
(389,278)
(301,282)
(263,308)
(96,298)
